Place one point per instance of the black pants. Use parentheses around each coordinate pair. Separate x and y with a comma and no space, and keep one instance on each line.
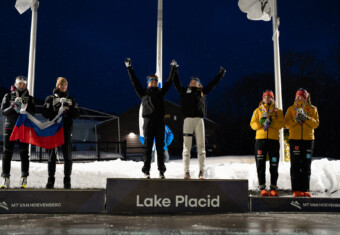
(301,152)
(154,129)
(67,154)
(8,153)
(262,147)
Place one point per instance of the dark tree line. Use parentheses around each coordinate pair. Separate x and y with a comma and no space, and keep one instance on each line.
(299,70)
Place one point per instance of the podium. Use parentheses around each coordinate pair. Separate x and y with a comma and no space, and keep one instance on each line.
(158,196)
(15,201)
(176,196)
(294,204)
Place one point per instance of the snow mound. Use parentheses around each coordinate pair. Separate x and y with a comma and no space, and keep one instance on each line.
(325,178)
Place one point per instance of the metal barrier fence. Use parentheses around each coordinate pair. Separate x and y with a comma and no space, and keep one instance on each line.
(81,151)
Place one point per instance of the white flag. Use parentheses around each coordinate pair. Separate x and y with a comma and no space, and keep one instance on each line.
(256,9)
(23,5)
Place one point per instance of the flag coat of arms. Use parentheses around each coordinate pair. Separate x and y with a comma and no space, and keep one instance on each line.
(46,135)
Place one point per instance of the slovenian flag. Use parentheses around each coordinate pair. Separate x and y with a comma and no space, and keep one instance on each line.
(46,135)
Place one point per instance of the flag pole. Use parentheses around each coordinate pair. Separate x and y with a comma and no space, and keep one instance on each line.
(33,40)
(159,55)
(31,63)
(278,88)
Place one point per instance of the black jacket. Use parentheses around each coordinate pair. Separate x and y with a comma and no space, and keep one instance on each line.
(153,97)
(10,115)
(192,98)
(50,110)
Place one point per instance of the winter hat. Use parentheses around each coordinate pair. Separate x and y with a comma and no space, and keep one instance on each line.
(60,80)
(302,92)
(196,79)
(268,93)
(152,77)
(20,79)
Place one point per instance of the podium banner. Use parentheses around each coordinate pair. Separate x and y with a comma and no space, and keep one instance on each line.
(52,201)
(176,196)
(292,204)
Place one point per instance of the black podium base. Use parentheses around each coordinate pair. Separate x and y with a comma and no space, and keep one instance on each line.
(176,196)
(14,201)
(292,204)
(169,196)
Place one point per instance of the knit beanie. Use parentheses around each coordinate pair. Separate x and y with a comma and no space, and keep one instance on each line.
(19,79)
(302,92)
(268,93)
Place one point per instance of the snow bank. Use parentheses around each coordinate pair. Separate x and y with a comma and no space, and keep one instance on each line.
(325,179)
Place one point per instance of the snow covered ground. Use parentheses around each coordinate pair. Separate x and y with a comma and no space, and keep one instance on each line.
(325,179)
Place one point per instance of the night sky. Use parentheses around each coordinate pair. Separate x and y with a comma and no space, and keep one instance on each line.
(87,42)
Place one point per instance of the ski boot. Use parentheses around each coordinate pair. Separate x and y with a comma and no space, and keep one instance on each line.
(307,194)
(298,194)
(187,175)
(67,182)
(50,183)
(201,175)
(6,183)
(23,182)
(161,175)
(264,192)
(147,175)
(273,191)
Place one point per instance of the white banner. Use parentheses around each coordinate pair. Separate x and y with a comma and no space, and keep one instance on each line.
(256,9)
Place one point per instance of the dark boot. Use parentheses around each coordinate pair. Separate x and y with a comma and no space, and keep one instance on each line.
(67,182)
(50,183)
(161,175)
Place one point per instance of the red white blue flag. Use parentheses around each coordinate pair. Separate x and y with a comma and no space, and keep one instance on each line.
(46,135)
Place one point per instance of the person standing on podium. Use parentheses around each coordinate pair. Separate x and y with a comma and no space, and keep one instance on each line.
(301,119)
(193,105)
(61,97)
(267,121)
(11,105)
(153,114)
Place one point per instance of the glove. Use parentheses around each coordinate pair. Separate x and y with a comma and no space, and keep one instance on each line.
(222,71)
(17,104)
(267,124)
(16,107)
(18,100)
(66,105)
(301,116)
(174,63)
(57,106)
(264,117)
(262,120)
(128,62)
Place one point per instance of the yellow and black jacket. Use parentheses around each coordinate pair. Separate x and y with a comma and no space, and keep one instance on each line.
(306,130)
(276,116)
